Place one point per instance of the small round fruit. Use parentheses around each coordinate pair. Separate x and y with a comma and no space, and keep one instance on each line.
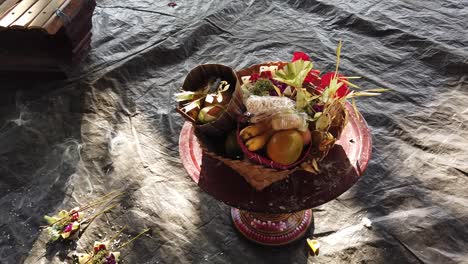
(285,147)
(210,113)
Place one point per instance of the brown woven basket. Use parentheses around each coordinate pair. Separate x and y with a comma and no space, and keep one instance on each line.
(197,79)
(339,120)
(323,141)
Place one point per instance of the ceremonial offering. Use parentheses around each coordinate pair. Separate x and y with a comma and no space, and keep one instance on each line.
(68,224)
(101,254)
(300,143)
(104,252)
(64,225)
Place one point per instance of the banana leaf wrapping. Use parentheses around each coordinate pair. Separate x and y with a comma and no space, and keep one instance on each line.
(197,79)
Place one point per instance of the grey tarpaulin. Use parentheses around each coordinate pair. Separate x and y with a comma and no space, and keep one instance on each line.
(113,125)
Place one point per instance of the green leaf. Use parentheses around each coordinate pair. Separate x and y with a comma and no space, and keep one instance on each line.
(63,214)
(329,93)
(294,73)
(302,98)
(50,220)
(262,87)
(53,234)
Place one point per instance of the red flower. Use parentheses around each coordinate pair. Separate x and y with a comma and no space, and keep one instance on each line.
(75,215)
(326,79)
(313,77)
(99,248)
(266,75)
(68,228)
(254,77)
(300,56)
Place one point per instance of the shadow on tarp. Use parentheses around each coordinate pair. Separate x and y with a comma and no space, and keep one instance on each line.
(35,123)
(411,223)
(226,245)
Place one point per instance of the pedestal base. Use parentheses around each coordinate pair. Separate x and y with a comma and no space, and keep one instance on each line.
(272,229)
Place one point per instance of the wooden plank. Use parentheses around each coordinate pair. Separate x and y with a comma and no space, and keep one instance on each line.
(16,12)
(69,9)
(46,14)
(6,6)
(32,12)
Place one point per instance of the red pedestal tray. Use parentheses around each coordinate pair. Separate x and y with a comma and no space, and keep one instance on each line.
(280,214)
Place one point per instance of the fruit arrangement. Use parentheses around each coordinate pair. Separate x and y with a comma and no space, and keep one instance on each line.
(207,104)
(293,117)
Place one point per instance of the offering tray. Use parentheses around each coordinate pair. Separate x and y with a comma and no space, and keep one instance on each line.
(280,214)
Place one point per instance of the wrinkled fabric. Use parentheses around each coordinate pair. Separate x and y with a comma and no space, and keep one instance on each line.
(113,126)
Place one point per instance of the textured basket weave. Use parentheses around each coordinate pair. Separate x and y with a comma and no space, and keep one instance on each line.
(320,141)
(198,79)
(339,120)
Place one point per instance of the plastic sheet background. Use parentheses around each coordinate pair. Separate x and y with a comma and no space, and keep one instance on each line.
(113,125)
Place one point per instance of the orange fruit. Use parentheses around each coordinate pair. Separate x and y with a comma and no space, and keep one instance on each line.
(285,147)
(306,136)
